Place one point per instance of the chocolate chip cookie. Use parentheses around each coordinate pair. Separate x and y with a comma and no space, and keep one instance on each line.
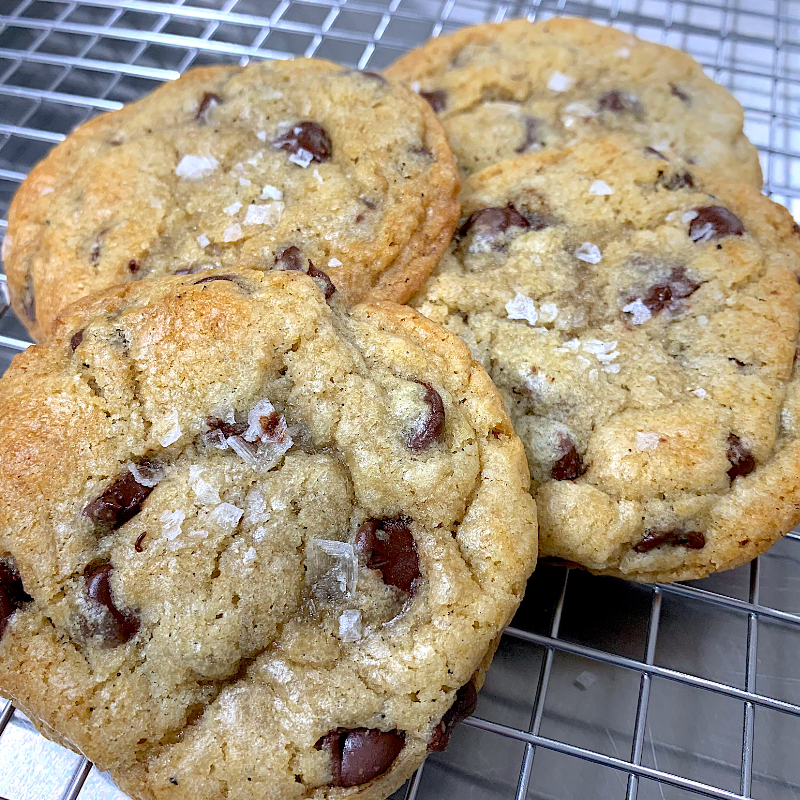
(291,165)
(518,87)
(640,320)
(253,545)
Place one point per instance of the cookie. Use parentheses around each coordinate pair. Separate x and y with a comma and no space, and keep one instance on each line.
(640,320)
(518,87)
(276,164)
(254,545)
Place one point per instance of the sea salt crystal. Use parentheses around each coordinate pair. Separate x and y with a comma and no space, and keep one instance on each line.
(639,311)
(350,626)
(203,490)
(613,368)
(262,135)
(46,190)
(415,86)
(548,312)
(700,392)
(522,307)
(332,568)
(233,208)
(302,158)
(269,214)
(232,233)
(590,253)
(203,240)
(334,262)
(318,176)
(702,320)
(173,433)
(245,182)
(646,441)
(245,451)
(196,167)
(623,52)
(572,344)
(270,192)
(559,82)
(226,515)
(579,110)
(263,408)
(249,557)
(600,188)
(147,474)
(172,521)
(599,348)
(688,216)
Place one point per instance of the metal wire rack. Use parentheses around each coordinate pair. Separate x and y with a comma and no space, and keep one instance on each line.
(600,689)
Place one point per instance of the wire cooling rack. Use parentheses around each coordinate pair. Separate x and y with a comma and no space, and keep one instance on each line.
(600,689)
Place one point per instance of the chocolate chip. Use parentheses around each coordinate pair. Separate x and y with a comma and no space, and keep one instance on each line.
(138,544)
(465,704)
(97,247)
(289,258)
(676,91)
(620,102)
(682,179)
(493,221)
(12,594)
(388,546)
(133,266)
(209,101)
(227,428)
(119,502)
(741,458)
(114,626)
(325,283)
(651,151)
(28,299)
(437,99)
(694,540)
(309,137)
(231,278)
(714,222)
(76,340)
(570,465)
(677,287)
(532,126)
(360,754)
(429,427)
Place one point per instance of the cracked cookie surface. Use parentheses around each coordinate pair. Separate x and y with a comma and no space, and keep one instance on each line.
(517,87)
(640,320)
(231,166)
(250,544)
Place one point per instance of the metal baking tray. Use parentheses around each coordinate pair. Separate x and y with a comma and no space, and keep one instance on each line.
(600,688)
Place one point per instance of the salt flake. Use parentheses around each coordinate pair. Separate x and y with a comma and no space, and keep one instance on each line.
(269,214)
(600,188)
(590,253)
(249,557)
(172,521)
(232,233)
(226,515)
(350,626)
(548,312)
(688,216)
(522,307)
(196,167)
(270,192)
(559,82)
(174,432)
(646,441)
(262,135)
(334,262)
(641,313)
(579,110)
(146,474)
(302,158)
(700,392)
(318,176)
(233,208)
(203,240)
(332,567)
(205,493)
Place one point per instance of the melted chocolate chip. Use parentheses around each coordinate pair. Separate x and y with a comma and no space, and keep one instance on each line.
(620,102)
(133,266)
(309,137)
(694,540)
(429,427)
(676,91)
(437,99)
(714,222)
(326,284)
(570,465)
(119,502)
(227,428)
(116,627)
(651,151)
(677,287)
(231,278)
(76,340)
(206,104)
(465,704)
(493,221)
(678,180)
(138,543)
(741,458)
(12,594)
(289,258)
(388,546)
(532,126)
(360,754)
(97,247)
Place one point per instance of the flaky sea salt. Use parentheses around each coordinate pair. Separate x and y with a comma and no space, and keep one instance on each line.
(688,216)
(579,110)
(46,190)
(318,176)
(269,214)
(522,307)
(226,516)
(270,192)
(171,522)
(613,368)
(623,52)
(559,82)
(646,441)
(332,567)
(548,312)
(302,158)
(639,311)
(233,208)
(334,262)
(590,253)
(173,432)
(262,135)
(600,188)
(203,240)
(232,233)
(196,167)
(700,392)
(147,474)
(249,557)
(702,320)
(205,493)
(245,182)
(350,626)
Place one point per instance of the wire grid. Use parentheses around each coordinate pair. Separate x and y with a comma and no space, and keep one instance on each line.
(600,688)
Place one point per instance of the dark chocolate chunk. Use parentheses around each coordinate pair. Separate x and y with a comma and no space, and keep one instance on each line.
(115,626)
(682,179)
(532,137)
(227,428)
(360,754)
(429,427)
(620,102)
(133,266)
(97,247)
(76,340)
(12,594)
(651,151)
(465,704)
(741,458)
(493,221)
(677,287)
(325,283)
(209,101)
(570,465)
(289,258)
(694,540)
(714,222)
(437,99)
(680,93)
(388,546)
(119,502)
(309,137)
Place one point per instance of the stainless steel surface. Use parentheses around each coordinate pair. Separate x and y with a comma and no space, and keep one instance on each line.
(600,689)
